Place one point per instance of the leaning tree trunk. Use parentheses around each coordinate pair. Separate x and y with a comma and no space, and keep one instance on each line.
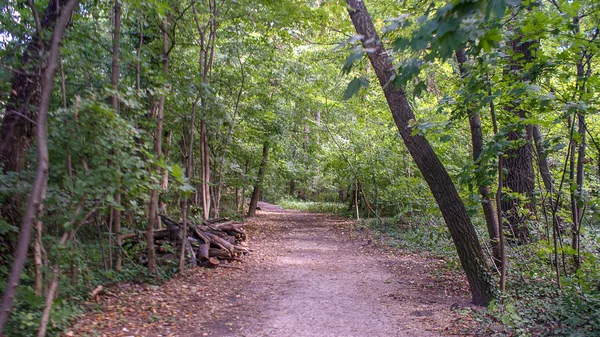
(487,203)
(36,197)
(441,185)
(261,175)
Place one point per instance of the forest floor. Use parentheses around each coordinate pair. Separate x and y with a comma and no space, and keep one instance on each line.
(308,274)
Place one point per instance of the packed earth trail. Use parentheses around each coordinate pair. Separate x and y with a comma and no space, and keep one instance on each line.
(308,274)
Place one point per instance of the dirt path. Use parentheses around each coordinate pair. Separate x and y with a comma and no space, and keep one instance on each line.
(309,275)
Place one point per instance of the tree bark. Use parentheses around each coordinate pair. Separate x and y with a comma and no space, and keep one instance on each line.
(487,203)
(36,197)
(435,174)
(578,215)
(518,159)
(205,169)
(261,175)
(116,216)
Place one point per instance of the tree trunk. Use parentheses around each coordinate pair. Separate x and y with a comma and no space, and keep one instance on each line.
(116,216)
(292,191)
(518,159)
(258,186)
(37,195)
(356,199)
(435,174)
(578,215)
(37,255)
(487,203)
(205,169)
(154,221)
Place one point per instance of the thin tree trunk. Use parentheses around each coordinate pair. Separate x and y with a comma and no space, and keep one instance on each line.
(205,169)
(154,221)
(109,227)
(501,231)
(190,159)
(37,254)
(434,173)
(48,303)
(356,199)
(578,215)
(37,195)
(243,178)
(189,169)
(116,216)
(138,63)
(184,204)
(259,181)
(487,203)
(542,160)
(501,238)
(573,193)
(164,181)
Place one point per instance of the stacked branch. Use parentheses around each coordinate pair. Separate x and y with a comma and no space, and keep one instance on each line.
(207,243)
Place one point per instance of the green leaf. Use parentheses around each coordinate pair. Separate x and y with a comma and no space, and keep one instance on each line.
(177,173)
(350,62)
(401,43)
(354,87)
(187,190)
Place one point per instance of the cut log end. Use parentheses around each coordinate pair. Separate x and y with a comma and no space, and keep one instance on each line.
(212,262)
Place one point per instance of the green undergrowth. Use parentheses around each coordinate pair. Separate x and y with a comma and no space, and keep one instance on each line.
(538,308)
(313,206)
(533,304)
(427,236)
(82,270)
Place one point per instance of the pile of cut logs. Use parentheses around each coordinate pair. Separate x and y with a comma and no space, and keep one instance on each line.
(207,243)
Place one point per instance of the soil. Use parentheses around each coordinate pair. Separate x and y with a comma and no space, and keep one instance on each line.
(308,275)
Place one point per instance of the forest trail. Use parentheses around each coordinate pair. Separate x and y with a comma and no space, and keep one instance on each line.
(309,275)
